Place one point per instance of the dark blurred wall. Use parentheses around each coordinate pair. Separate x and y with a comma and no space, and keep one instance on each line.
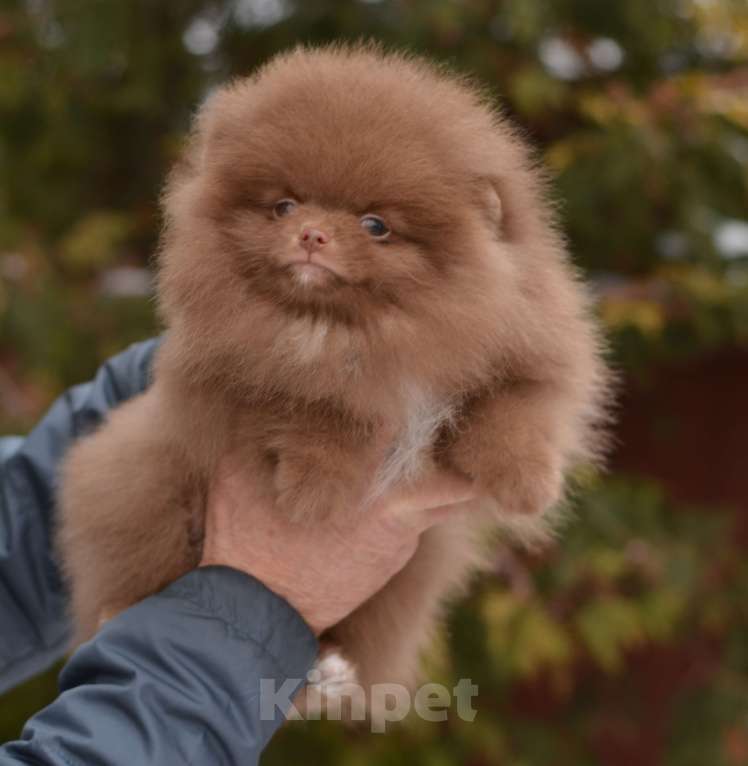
(686,426)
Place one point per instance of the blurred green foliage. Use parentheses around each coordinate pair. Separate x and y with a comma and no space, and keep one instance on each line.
(625,643)
(553,644)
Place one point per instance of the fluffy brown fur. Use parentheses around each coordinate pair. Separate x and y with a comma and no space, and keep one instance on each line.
(462,339)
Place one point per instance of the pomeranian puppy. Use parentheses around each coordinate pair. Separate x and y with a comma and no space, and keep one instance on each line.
(360,281)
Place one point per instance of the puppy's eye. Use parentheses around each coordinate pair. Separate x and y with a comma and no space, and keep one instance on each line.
(375,226)
(284,207)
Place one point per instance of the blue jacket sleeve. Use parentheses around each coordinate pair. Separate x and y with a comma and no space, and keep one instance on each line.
(33,627)
(200,673)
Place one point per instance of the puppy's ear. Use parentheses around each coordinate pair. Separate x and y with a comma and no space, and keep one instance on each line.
(190,162)
(191,157)
(211,122)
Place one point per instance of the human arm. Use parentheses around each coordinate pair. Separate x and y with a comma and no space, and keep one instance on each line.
(174,680)
(35,629)
(168,679)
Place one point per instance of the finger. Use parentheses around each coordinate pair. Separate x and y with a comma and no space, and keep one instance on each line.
(430,517)
(443,488)
(426,518)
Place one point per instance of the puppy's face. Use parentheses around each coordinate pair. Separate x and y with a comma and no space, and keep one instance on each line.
(323,225)
(335,249)
(327,197)
(342,188)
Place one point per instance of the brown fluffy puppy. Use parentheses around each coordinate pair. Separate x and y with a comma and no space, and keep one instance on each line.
(360,281)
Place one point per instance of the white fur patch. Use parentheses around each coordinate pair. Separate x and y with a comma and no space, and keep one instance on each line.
(424,417)
(328,679)
(304,340)
(335,670)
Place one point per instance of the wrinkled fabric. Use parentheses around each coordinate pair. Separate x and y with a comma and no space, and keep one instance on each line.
(34,630)
(173,680)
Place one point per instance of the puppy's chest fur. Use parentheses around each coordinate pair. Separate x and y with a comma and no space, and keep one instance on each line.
(419,414)
(423,416)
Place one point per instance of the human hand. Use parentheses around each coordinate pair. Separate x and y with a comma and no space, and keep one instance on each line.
(324,570)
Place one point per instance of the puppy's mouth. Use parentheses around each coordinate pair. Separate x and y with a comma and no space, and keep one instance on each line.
(308,271)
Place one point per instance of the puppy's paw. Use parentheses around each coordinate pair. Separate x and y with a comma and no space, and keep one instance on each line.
(330,682)
(332,673)
(528,486)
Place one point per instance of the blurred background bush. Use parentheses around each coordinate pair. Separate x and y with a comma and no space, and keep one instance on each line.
(624,644)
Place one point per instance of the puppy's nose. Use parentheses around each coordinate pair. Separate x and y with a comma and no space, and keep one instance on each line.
(312,239)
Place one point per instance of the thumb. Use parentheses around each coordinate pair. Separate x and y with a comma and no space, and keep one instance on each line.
(430,517)
(433,500)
